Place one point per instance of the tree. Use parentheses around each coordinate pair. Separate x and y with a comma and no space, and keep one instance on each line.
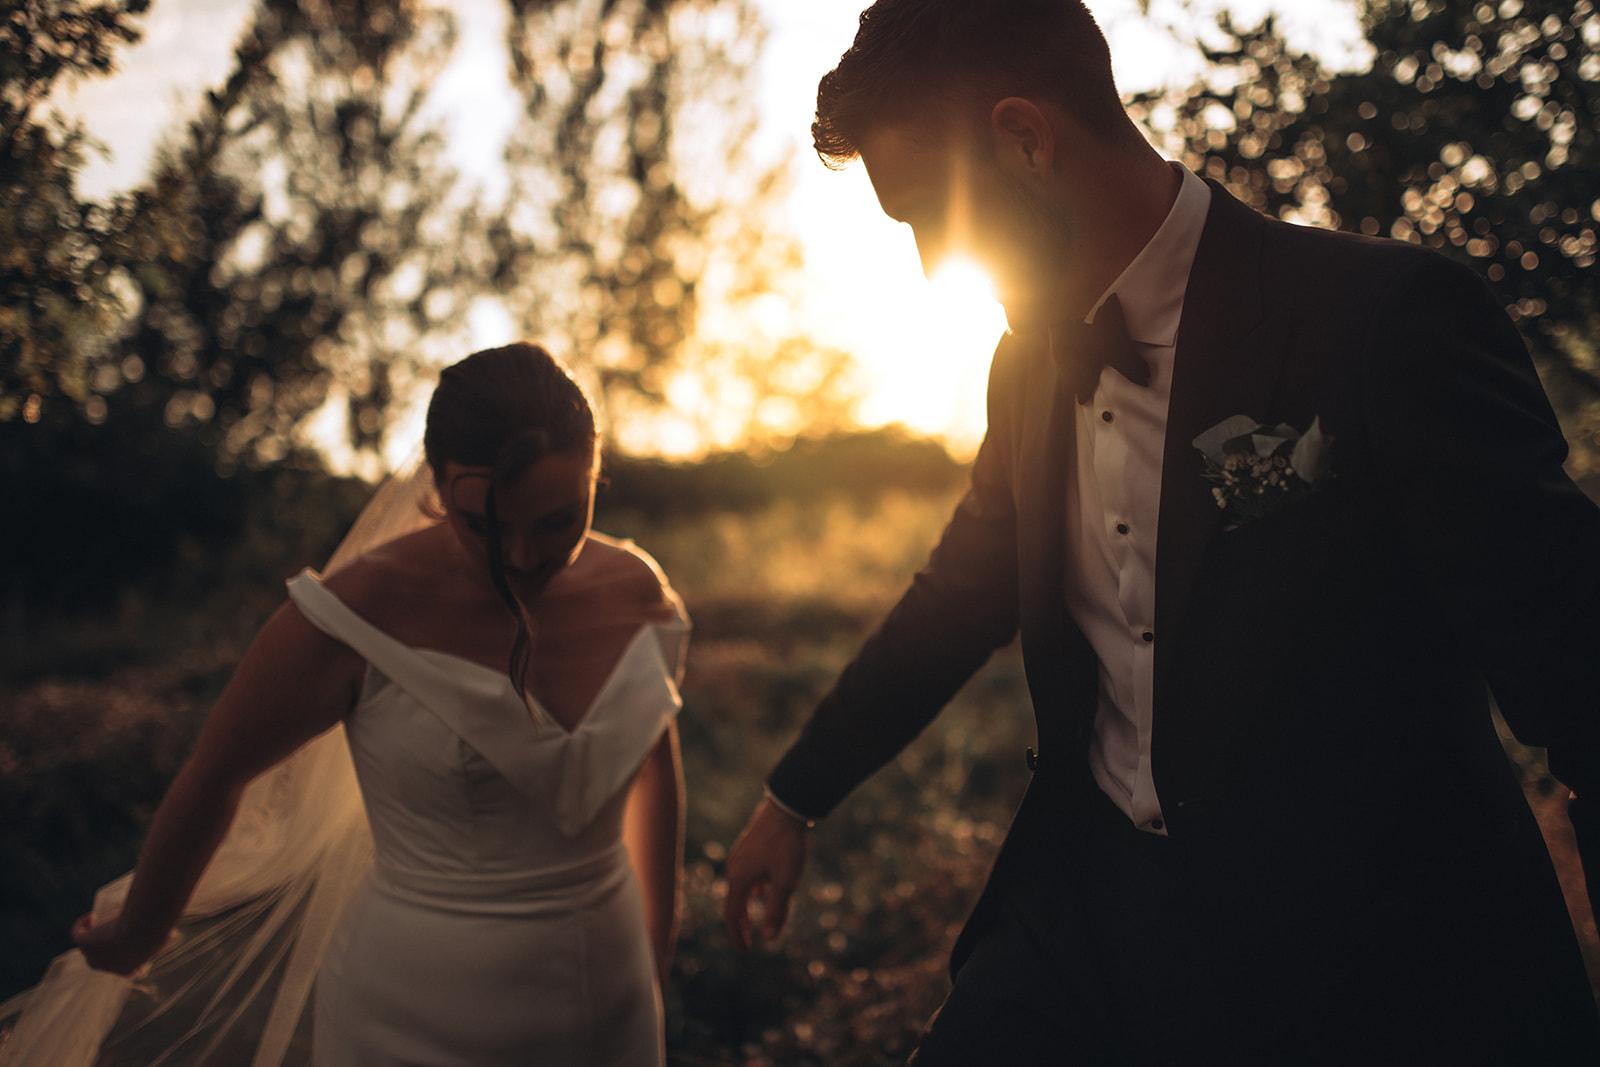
(294,241)
(299,240)
(57,300)
(639,234)
(302,241)
(60,302)
(1476,130)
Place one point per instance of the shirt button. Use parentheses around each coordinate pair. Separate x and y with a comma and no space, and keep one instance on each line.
(1122,527)
(1157,824)
(1106,416)
(1149,637)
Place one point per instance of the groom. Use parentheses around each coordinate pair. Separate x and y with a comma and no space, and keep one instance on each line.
(1270,820)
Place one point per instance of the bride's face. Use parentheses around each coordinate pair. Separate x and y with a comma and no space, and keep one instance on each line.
(544,514)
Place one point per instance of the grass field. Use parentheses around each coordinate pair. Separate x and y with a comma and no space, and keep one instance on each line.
(780,597)
(780,600)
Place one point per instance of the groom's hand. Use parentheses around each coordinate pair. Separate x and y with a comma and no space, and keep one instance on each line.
(765,863)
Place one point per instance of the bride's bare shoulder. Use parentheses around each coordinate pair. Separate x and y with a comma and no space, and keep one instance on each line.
(630,574)
(398,572)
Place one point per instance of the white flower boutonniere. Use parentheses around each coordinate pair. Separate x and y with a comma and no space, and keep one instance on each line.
(1255,469)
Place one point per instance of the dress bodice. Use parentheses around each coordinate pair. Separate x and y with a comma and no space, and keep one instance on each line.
(467,791)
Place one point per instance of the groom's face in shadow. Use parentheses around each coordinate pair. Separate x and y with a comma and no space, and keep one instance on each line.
(960,200)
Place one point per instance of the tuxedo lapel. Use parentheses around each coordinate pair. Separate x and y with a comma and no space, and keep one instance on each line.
(1230,349)
(1045,452)
(1062,672)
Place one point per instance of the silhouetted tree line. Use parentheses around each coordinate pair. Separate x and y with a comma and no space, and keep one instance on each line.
(859,466)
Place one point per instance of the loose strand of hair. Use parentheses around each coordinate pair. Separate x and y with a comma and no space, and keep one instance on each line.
(522,644)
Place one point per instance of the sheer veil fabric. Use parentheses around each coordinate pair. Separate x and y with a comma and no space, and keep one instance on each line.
(233,986)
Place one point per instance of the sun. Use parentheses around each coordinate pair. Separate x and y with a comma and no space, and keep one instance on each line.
(967,285)
(969,289)
(931,373)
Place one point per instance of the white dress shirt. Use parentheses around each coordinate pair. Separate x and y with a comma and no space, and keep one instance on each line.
(1113,502)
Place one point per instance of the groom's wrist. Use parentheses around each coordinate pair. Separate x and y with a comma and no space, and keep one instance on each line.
(803,821)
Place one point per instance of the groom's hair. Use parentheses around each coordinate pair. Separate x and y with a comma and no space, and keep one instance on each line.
(912,59)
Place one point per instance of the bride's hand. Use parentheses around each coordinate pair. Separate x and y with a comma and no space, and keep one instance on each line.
(109,947)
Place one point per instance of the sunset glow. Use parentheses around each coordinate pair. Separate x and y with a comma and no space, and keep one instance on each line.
(967,287)
(921,350)
(936,386)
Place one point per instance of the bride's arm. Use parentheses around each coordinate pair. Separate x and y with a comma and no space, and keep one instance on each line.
(294,683)
(653,832)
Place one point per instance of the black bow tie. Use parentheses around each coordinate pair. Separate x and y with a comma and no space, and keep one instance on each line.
(1082,349)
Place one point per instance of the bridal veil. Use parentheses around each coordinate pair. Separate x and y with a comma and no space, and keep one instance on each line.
(233,984)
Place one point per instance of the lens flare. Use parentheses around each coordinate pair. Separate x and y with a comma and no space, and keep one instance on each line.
(968,286)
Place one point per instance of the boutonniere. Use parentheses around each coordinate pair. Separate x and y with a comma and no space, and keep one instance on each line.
(1255,469)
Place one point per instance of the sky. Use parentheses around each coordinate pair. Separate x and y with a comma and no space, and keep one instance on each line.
(921,349)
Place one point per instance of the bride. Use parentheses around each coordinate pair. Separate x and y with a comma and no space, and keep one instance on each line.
(505,679)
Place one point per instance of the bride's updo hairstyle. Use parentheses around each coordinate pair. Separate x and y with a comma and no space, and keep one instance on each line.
(506,409)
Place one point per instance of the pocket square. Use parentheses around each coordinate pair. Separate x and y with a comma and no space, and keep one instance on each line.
(1254,469)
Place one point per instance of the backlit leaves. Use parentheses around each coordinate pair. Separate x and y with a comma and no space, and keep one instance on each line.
(1476,131)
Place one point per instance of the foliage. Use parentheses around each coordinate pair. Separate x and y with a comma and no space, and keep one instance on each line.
(781,592)
(295,243)
(1476,131)
(288,243)
(279,250)
(147,549)
(56,299)
(892,874)
(858,466)
(301,246)
(639,237)
(303,240)
(83,764)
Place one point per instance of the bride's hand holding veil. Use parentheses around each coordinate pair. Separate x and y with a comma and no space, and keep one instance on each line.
(293,684)
(107,945)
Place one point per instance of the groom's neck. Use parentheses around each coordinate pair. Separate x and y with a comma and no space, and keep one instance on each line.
(1111,206)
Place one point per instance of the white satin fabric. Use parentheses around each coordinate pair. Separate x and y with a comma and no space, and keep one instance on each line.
(501,924)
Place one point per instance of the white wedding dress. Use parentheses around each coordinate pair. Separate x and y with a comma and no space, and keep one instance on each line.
(500,923)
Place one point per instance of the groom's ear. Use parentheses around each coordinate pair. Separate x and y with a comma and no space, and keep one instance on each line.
(1023,137)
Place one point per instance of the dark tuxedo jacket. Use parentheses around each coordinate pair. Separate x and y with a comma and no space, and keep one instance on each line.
(1323,742)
